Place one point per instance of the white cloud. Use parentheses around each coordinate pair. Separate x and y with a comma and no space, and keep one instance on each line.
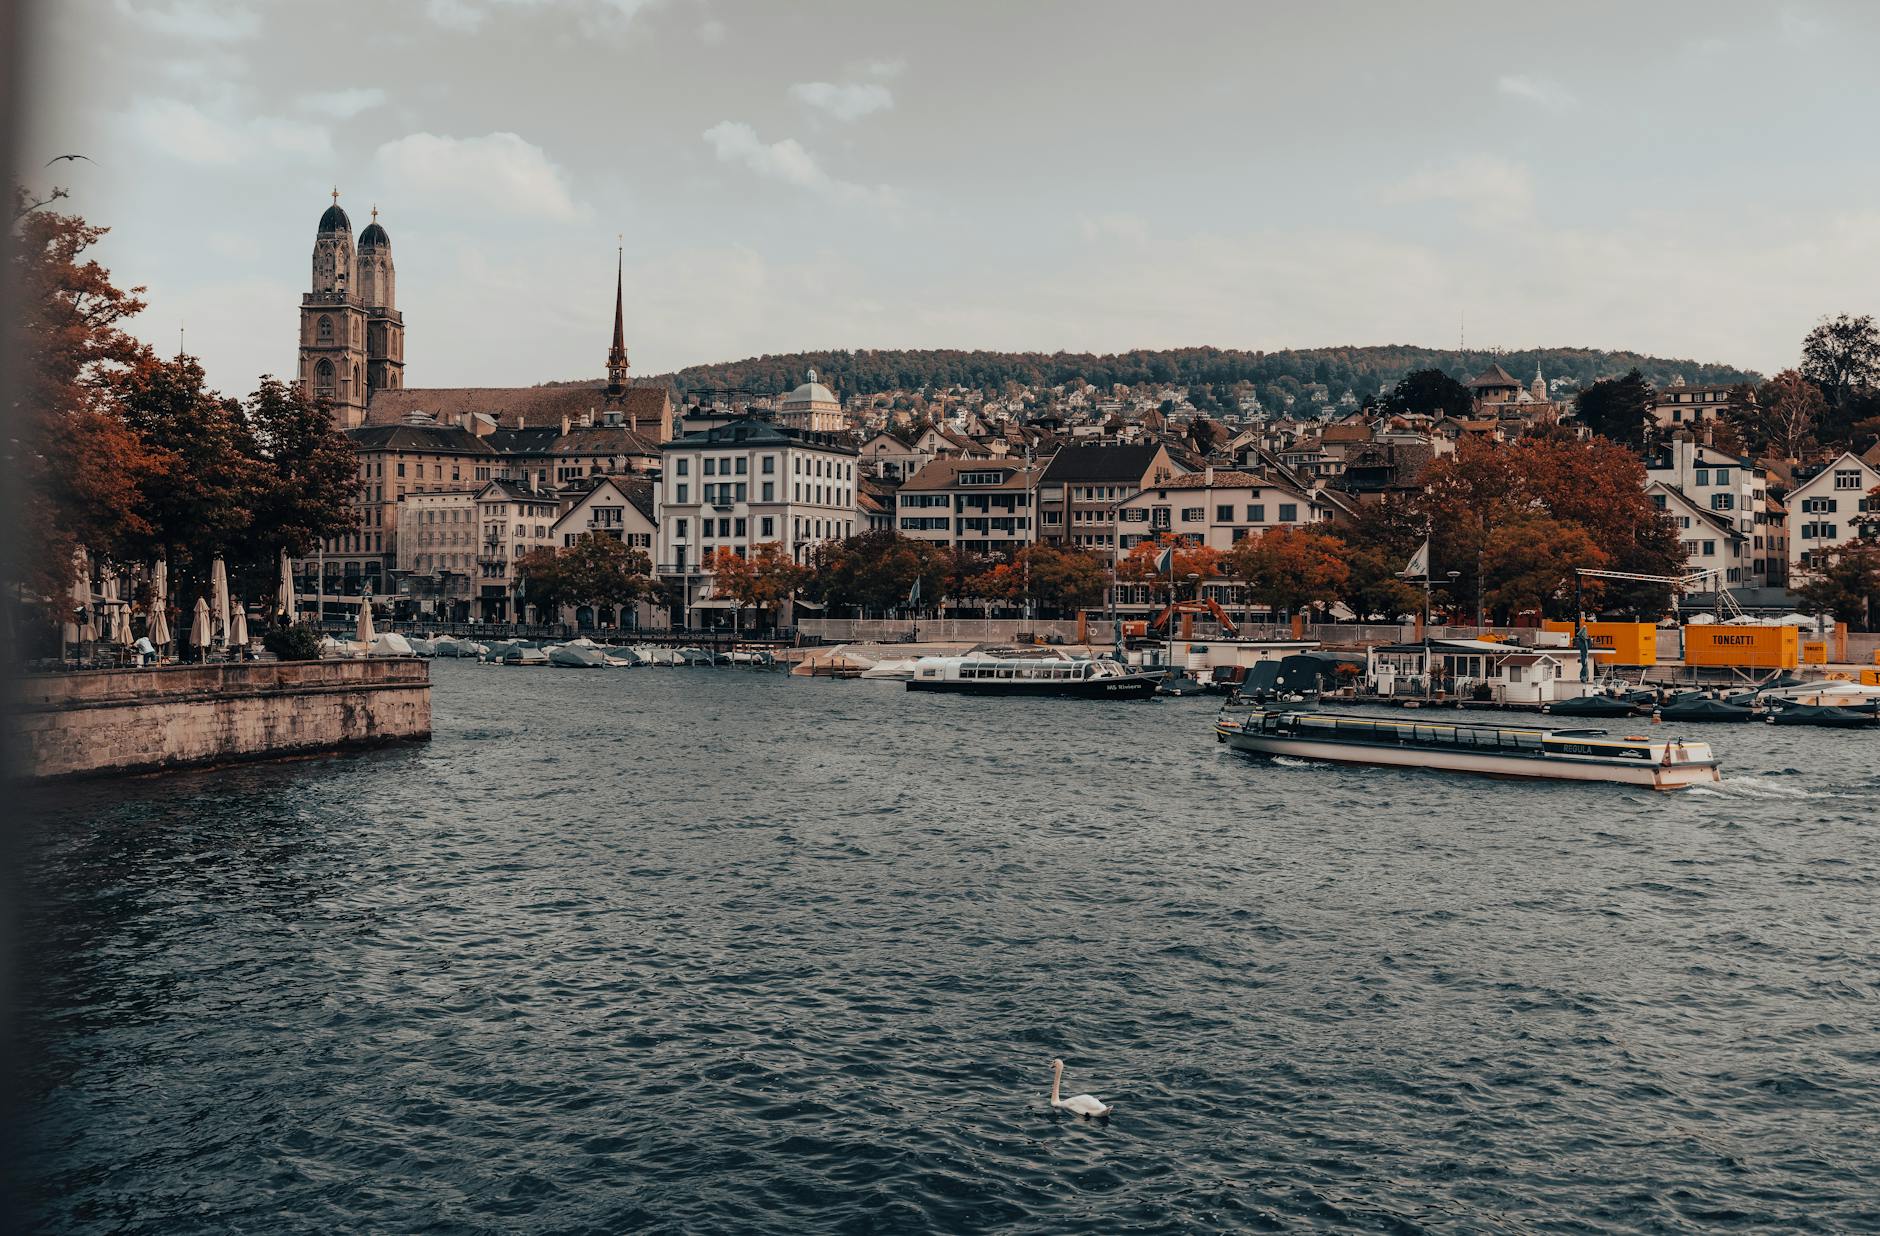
(1543,92)
(1125,227)
(193,135)
(711,32)
(499,171)
(200,21)
(1491,192)
(787,161)
(846,100)
(596,15)
(344,104)
(885,68)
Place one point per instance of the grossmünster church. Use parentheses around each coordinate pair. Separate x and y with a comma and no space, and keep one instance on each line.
(448,443)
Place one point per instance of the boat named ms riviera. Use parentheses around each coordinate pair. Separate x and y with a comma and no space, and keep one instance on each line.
(1495,750)
(1032,671)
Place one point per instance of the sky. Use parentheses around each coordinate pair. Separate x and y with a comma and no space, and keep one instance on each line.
(1686,179)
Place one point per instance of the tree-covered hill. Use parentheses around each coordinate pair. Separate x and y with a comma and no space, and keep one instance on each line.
(1361,370)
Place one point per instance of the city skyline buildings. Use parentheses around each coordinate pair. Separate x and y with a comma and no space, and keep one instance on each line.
(1061,177)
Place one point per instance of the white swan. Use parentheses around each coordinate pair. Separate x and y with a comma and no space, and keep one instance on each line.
(1082,1104)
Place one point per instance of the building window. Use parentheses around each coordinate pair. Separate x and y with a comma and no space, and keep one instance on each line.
(323,379)
(680,466)
(681,492)
(678,529)
(767,527)
(1256,513)
(1224,513)
(1194,514)
(739,466)
(325,331)
(769,464)
(1289,512)
(770,491)
(1847,479)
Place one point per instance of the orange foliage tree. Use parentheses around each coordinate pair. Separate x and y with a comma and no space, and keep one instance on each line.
(1138,566)
(1290,568)
(80,468)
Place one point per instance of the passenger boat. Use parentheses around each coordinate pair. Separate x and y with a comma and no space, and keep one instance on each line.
(1032,671)
(1495,750)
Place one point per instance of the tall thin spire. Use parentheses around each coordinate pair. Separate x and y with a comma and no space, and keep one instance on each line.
(617,355)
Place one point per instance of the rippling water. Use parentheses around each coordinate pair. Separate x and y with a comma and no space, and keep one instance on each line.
(691,950)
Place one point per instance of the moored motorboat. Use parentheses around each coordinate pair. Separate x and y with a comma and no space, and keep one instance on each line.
(524,654)
(1830,716)
(1703,708)
(574,656)
(1593,706)
(1493,750)
(1032,671)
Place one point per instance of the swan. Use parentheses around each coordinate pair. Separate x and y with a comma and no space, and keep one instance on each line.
(1082,1104)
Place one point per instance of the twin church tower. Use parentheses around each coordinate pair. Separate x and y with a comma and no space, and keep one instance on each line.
(352,337)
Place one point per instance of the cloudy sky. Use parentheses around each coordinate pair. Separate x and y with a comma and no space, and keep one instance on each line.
(1692,179)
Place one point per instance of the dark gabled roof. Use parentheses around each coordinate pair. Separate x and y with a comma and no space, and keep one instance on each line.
(535,440)
(515,492)
(1494,375)
(1102,463)
(755,432)
(441,439)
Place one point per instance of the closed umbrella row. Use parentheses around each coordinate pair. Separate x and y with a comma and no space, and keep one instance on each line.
(102,610)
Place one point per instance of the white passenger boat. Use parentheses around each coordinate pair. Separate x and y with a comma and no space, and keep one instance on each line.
(1032,671)
(1494,750)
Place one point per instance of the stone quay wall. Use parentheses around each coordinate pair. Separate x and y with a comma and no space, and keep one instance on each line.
(101,722)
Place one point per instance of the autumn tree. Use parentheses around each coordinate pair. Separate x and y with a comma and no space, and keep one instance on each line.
(1788,408)
(761,580)
(80,468)
(602,570)
(1289,568)
(1061,579)
(1617,408)
(1139,565)
(1530,565)
(875,570)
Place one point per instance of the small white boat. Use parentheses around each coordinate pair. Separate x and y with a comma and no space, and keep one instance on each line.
(1494,750)
(900,670)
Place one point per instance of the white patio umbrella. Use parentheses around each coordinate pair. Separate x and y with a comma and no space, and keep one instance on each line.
(81,598)
(120,608)
(218,585)
(202,630)
(285,601)
(238,633)
(157,630)
(365,619)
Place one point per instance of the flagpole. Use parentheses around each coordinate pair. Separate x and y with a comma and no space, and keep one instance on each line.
(1171,609)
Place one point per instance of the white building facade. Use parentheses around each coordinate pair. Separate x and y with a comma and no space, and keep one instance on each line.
(745,484)
(1831,510)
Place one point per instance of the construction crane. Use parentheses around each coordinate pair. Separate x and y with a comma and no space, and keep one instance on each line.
(1190,610)
(1679,584)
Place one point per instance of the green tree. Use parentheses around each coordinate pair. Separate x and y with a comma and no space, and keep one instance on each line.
(1841,355)
(306,471)
(1061,579)
(1617,408)
(1432,393)
(1847,586)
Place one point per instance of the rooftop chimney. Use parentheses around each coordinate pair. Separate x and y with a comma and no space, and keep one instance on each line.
(564,424)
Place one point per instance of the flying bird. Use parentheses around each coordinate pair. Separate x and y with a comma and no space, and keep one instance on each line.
(56,158)
(1082,1104)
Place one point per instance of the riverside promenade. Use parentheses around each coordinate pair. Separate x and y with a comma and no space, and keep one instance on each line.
(100,722)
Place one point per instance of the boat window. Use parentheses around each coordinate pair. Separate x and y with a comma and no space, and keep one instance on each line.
(1005,671)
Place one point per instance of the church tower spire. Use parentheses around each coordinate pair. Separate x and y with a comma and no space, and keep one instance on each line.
(332,364)
(617,354)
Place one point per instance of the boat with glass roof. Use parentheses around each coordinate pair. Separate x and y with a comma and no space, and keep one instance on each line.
(1039,671)
(1526,751)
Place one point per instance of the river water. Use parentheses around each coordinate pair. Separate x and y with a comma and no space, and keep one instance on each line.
(715,950)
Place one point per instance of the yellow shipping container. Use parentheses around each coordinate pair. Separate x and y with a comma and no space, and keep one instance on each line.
(1870,678)
(1632,643)
(1743,647)
(1814,652)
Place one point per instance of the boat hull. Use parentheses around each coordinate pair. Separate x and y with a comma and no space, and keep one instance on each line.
(1651,775)
(1130,688)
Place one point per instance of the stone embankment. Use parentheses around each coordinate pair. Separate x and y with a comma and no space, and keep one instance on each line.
(102,722)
